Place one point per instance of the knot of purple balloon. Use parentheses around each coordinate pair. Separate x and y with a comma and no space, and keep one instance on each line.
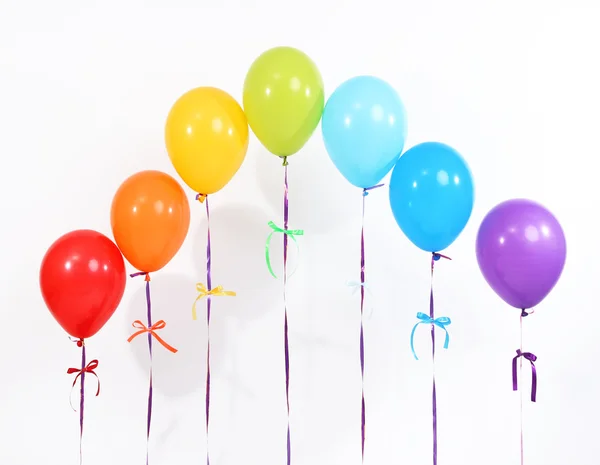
(367,189)
(525,313)
(531,358)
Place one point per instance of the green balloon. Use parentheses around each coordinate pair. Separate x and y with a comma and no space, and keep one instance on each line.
(283,99)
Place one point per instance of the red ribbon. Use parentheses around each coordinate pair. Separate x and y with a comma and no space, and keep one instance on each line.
(89,368)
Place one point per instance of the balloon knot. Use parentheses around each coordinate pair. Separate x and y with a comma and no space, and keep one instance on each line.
(147,278)
(524,313)
(201,197)
(80,343)
(436,256)
(285,162)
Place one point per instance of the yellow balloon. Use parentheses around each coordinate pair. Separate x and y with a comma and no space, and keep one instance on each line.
(206,135)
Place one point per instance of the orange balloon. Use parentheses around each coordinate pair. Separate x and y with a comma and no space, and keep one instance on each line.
(150,217)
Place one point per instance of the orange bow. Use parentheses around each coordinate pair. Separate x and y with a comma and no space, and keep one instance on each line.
(90,367)
(137,324)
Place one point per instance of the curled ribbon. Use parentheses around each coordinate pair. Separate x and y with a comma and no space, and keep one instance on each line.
(356,285)
(292,233)
(203,291)
(532,358)
(89,368)
(440,322)
(137,324)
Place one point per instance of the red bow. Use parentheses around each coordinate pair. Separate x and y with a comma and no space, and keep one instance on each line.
(88,369)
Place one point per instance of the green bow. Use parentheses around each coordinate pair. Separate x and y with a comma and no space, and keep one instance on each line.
(292,233)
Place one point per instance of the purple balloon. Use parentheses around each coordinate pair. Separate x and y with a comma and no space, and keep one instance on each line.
(521,251)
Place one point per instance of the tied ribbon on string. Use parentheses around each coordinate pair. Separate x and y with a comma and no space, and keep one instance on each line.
(203,291)
(150,329)
(532,359)
(208,292)
(440,322)
(355,285)
(362,284)
(434,258)
(286,232)
(286,348)
(160,324)
(89,368)
(81,372)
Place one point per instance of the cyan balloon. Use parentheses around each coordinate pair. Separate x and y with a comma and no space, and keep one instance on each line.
(431,195)
(364,129)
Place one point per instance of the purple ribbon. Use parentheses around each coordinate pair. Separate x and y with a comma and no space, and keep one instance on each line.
(150,390)
(208,307)
(362,307)
(81,343)
(285,325)
(434,258)
(81,402)
(81,373)
(531,358)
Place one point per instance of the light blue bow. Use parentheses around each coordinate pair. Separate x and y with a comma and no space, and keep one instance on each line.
(440,322)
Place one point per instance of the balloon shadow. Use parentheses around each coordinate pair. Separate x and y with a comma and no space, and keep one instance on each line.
(318,193)
(172,296)
(238,235)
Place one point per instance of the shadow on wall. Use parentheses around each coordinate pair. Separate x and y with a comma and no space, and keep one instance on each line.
(172,296)
(318,194)
(238,235)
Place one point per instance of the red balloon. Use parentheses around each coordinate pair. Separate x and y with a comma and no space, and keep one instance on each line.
(82,279)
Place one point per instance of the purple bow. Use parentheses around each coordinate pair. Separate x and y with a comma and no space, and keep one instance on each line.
(532,358)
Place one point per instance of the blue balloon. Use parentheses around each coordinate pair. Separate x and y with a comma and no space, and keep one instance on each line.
(431,194)
(364,128)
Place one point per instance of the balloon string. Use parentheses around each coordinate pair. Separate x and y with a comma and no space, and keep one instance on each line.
(532,359)
(81,372)
(433,393)
(285,326)
(362,341)
(434,258)
(150,388)
(208,308)
(81,400)
(362,307)
(521,393)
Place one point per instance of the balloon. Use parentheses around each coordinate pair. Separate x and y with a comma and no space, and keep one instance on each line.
(283,99)
(364,129)
(82,279)
(431,194)
(206,135)
(521,251)
(150,217)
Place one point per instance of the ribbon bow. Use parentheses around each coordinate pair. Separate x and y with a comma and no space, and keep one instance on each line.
(532,358)
(89,368)
(203,291)
(292,233)
(440,322)
(137,324)
(356,285)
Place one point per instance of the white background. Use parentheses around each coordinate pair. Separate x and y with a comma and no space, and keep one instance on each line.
(85,87)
